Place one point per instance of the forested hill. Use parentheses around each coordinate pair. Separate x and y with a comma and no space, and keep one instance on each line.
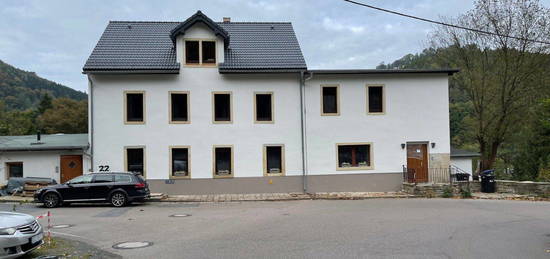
(21,90)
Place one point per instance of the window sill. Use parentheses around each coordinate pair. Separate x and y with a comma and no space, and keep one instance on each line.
(201,65)
(134,122)
(364,168)
(180,177)
(179,122)
(222,176)
(222,122)
(376,113)
(276,175)
(330,114)
(264,122)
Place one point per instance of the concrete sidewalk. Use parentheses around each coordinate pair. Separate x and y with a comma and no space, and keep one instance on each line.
(159,197)
(281,196)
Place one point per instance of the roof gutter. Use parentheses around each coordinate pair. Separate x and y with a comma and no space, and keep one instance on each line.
(303,119)
(61,148)
(91,121)
(383,71)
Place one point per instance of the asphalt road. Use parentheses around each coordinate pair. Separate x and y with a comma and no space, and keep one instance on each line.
(375,228)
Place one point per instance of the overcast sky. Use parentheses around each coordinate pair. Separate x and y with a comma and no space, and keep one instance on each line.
(54,38)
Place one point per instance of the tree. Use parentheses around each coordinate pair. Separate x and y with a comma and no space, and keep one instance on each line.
(65,116)
(45,103)
(499,73)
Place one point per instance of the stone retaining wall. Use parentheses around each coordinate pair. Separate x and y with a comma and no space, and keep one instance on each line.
(541,189)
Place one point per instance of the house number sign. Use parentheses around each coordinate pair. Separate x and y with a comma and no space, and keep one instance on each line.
(104,168)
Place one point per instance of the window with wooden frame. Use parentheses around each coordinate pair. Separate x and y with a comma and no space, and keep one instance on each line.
(134,158)
(375,99)
(263,107)
(274,160)
(223,161)
(354,156)
(330,104)
(180,162)
(222,107)
(179,107)
(134,107)
(14,169)
(200,52)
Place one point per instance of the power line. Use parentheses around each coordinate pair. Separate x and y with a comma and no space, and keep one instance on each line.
(443,23)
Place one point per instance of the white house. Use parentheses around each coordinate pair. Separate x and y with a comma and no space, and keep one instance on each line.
(230,107)
(463,159)
(58,156)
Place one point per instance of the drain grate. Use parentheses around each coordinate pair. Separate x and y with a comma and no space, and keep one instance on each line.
(132,245)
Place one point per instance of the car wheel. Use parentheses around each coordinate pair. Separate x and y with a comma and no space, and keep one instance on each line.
(51,200)
(118,199)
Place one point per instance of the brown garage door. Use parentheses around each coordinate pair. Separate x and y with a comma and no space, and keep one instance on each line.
(71,167)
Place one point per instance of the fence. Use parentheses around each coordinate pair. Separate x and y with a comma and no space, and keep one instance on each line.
(437,175)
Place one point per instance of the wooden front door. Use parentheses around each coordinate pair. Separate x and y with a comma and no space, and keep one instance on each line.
(71,167)
(417,162)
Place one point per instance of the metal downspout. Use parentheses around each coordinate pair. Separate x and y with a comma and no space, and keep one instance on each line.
(91,121)
(304,126)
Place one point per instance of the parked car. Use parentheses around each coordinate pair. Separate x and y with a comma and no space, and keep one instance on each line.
(19,234)
(118,189)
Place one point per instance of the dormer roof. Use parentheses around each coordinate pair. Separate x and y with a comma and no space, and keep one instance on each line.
(194,19)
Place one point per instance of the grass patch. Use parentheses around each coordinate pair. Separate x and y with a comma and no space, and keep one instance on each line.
(58,247)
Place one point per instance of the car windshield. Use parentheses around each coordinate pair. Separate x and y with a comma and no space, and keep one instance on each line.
(81,179)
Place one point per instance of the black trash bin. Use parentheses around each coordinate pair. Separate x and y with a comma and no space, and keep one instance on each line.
(488,184)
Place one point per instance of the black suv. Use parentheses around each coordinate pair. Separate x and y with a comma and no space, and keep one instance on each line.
(118,189)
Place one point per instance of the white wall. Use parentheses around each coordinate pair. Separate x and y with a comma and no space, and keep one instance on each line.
(38,163)
(111,135)
(416,110)
(464,163)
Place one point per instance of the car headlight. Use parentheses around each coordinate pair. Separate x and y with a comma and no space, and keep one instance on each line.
(7,231)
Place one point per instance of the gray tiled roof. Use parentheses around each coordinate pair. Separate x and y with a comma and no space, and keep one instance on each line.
(47,142)
(127,46)
(262,46)
(140,46)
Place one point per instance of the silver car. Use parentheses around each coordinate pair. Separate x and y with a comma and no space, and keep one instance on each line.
(19,234)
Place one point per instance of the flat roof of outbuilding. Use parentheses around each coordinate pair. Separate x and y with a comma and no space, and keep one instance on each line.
(47,142)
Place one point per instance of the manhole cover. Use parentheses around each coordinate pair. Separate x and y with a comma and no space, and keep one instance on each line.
(62,226)
(132,245)
(180,215)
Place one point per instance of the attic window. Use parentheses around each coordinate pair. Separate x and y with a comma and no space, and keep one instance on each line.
(200,52)
(209,52)
(191,52)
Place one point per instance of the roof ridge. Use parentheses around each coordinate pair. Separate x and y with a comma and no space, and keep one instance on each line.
(255,22)
(122,21)
(144,22)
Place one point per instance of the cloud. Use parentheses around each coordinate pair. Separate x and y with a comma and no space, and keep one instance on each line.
(333,25)
(54,38)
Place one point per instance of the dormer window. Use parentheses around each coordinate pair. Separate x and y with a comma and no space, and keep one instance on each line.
(192,52)
(200,52)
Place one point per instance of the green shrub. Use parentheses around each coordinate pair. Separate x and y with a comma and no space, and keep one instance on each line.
(447,192)
(465,193)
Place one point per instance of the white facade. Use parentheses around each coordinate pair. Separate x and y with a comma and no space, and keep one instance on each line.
(464,163)
(38,163)
(416,110)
